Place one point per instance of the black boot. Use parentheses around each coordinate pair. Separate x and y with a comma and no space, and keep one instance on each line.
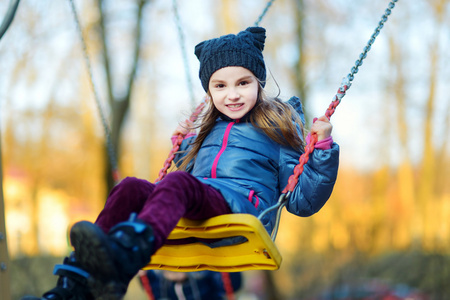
(114,258)
(72,283)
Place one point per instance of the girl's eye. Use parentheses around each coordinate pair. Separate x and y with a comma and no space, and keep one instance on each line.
(243,83)
(220,85)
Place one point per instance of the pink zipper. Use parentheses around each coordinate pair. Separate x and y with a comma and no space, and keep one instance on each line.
(250,198)
(224,146)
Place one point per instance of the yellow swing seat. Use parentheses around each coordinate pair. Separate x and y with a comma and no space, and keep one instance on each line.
(251,249)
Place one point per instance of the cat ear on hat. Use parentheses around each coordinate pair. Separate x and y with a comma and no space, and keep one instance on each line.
(259,35)
(199,49)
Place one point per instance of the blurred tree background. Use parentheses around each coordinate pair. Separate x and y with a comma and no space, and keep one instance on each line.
(388,220)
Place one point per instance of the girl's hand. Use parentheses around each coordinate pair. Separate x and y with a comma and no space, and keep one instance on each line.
(322,127)
(184,128)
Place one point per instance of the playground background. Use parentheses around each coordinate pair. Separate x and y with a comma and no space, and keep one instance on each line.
(387,224)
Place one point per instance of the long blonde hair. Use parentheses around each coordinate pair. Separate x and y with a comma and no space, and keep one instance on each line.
(271,115)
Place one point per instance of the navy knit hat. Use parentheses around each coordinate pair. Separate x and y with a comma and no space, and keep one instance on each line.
(241,50)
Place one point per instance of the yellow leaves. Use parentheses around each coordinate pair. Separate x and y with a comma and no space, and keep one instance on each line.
(340,236)
(375,212)
(54,221)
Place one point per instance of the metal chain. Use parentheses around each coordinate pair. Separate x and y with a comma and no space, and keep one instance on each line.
(183,50)
(309,148)
(168,162)
(345,85)
(183,43)
(268,5)
(9,17)
(367,48)
(194,116)
(107,131)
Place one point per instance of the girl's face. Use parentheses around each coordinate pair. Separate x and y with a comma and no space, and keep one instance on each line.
(234,91)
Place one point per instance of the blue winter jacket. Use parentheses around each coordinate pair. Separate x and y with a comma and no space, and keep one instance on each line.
(250,170)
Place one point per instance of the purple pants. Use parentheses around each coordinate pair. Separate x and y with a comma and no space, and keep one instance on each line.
(162,205)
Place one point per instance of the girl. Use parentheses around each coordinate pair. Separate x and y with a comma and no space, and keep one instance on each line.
(246,149)
(198,285)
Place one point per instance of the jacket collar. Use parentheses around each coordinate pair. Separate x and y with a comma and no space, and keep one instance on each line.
(245,118)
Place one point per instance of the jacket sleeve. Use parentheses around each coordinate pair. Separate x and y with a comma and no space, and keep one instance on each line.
(316,182)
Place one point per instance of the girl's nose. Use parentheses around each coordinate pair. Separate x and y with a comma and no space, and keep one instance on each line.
(233,94)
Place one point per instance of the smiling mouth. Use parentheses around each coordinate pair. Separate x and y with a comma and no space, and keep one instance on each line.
(234,106)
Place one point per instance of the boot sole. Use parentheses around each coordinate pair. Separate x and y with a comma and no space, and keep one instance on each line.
(94,255)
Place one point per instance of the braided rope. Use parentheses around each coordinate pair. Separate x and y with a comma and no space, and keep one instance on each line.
(345,85)
(146,284)
(228,286)
(163,172)
(106,129)
(168,162)
(309,148)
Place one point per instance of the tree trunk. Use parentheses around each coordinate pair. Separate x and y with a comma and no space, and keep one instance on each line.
(119,107)
(427,180)
(300,76)
(5,292)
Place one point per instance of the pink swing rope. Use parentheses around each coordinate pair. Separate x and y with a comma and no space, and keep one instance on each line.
(309,148)
(163,172)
